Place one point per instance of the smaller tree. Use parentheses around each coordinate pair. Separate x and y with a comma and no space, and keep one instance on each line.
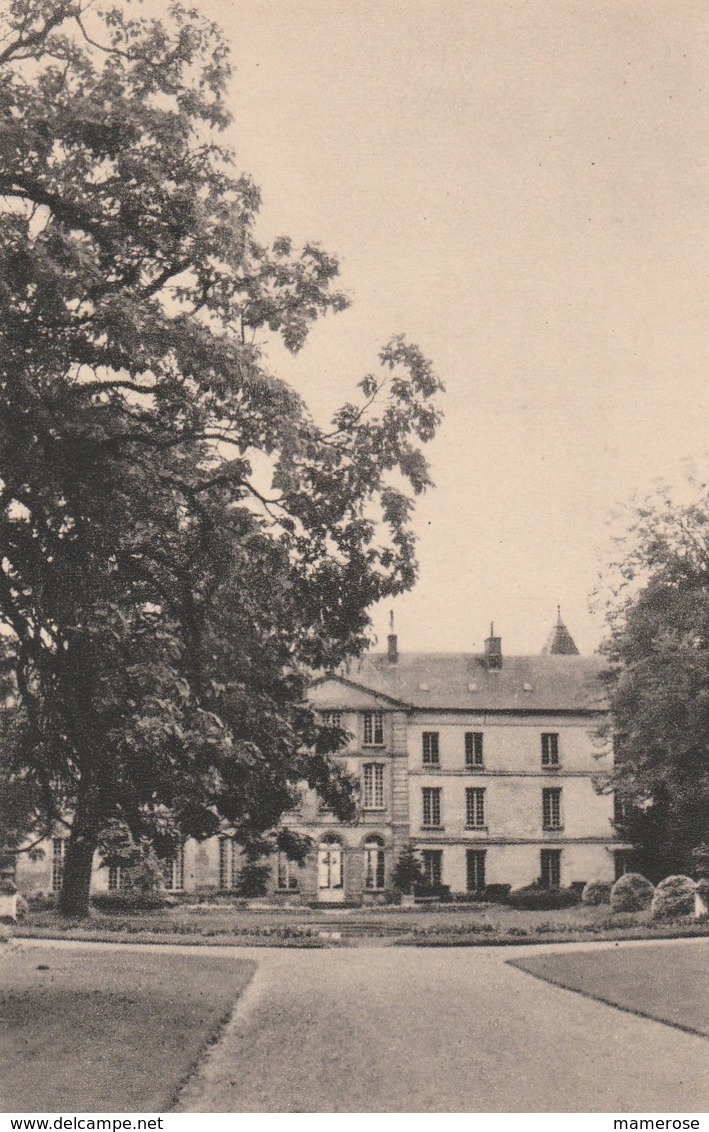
(408,872)
(253,878)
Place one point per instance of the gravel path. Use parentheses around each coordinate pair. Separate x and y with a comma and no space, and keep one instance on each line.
(438,1031)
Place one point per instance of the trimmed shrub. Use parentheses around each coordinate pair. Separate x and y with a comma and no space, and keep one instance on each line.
(674,896)
(129,901)
(597,892)
(495,893)
(534,898)
(631,893)
(253,879)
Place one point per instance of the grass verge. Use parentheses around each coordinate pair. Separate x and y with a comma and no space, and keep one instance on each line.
(667,984)
(107,1031)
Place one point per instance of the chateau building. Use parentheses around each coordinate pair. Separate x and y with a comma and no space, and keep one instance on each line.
(486,765)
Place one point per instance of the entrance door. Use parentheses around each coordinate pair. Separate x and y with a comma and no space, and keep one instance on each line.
(330,886)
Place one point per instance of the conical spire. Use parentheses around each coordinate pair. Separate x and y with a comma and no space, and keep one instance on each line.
(560,642)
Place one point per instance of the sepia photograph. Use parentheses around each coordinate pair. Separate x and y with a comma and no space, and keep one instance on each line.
(354,562)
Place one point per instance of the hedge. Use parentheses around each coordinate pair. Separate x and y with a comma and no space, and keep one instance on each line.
(535,898)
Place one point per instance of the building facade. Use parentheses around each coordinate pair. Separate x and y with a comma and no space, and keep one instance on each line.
(488,766)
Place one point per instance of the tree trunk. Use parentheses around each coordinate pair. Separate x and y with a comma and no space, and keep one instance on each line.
(76,881)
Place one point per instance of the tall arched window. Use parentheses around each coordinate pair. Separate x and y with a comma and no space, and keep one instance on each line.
(374,863)
(330,863)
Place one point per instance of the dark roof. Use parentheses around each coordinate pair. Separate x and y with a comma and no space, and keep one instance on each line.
(461,681)
(560,642)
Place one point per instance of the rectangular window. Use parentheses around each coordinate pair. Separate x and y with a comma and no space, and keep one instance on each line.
(619,810)
(287,872)
(373,867)
(431,807)
(373,729)
(58,855)
(227,869)
(174,871)
(432,861)
(621,864)
(332,719)
(475,869)
(550,749)
(373,786)
(474,808)
(115,878)
(473,749)
(551,809)
(551,868)
(431,755)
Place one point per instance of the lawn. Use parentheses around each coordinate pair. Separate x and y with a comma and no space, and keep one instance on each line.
(107,1031)
(667,983)
(446,925)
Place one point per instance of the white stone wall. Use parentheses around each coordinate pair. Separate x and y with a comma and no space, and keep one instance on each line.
(519,865)
(511,742)
(513,779)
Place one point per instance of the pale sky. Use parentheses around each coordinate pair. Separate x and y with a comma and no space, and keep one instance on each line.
(522,188)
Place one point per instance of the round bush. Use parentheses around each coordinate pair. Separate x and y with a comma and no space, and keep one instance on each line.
(632,893)
(596,892)
(674,896)
(534,898)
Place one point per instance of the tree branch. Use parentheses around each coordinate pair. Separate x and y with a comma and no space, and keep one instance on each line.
(62,13)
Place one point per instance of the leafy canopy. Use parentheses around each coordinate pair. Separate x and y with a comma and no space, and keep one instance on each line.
(180,543)
(659,679)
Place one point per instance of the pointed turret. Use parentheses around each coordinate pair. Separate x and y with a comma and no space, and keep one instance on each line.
(560,642)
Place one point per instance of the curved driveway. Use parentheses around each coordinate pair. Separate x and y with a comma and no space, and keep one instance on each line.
(435,1030)
(438,1030)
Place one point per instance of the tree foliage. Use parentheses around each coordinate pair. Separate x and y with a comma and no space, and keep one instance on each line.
(408,871)
(181,544)
(659,680)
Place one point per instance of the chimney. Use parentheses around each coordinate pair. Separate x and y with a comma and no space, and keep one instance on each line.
(493,649)
(392,644)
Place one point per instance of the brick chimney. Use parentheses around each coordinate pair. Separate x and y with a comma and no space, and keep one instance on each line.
(493,649)
(392,643)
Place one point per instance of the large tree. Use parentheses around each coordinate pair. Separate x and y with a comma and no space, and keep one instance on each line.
(659,681)
(180,543)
